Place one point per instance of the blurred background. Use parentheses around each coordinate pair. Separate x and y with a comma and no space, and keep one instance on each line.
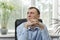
(10,10)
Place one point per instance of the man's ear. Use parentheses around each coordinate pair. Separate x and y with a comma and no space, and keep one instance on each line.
(39,16)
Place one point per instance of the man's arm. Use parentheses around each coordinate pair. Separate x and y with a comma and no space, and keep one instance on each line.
(45,34)
(21,32)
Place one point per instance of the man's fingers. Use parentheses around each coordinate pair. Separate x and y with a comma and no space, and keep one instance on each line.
(33,20)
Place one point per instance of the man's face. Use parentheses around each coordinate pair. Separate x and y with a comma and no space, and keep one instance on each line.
(32,14)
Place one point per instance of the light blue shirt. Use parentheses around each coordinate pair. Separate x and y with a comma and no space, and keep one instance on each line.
(32,34)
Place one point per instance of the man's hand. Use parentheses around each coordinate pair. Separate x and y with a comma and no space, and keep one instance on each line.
(33,23)
(41,26)
(37,23)
(27,24)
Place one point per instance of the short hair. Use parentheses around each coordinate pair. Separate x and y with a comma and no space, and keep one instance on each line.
(36,9)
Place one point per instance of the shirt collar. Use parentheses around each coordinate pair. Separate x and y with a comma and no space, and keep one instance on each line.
(36,28)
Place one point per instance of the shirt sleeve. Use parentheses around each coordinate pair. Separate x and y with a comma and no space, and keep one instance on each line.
(44,34)
(21,32)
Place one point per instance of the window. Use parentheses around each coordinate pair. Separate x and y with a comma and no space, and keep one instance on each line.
(20,12)
(49,9)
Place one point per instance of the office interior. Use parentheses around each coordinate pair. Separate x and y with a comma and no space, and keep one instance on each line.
(11,10)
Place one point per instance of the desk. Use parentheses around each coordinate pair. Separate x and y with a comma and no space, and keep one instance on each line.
(7,37)
(11,36)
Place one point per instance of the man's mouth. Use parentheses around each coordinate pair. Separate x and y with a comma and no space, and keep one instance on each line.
(29,16)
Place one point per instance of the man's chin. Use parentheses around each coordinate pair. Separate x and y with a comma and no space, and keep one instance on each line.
(29,18)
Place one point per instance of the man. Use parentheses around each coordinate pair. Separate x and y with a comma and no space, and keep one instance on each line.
(32,29)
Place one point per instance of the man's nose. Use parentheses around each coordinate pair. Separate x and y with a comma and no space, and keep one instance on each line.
(29,14)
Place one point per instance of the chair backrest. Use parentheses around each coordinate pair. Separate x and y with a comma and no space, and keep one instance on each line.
(18,22)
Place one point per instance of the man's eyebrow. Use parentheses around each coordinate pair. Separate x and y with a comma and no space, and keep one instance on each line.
(27,12)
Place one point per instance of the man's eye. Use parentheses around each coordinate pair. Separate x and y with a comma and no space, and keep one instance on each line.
(27,12)
(32,13)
